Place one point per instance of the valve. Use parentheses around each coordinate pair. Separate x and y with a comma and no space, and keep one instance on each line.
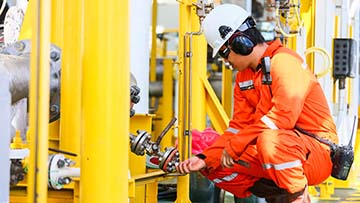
(141,144)
(17,171)
(169,159)
(203,8)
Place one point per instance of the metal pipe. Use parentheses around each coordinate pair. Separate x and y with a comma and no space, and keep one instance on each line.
(184,18)
(5,137)
(39,102)
(187,89)
(15,64)
(105,102)
(16,70)
(156,89)
(71,76)
(153,41)
(57,22)
(139,50)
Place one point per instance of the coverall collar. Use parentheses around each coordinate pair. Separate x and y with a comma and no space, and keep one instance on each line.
(273,46)
(270,50)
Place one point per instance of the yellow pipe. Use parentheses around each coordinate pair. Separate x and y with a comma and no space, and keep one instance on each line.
(226,90)
(39,101)
(153,54)
(71,74)
(167,99)
(307,11)
(350,81)
(198,70)
(153,42)
(57,22)
(105,102)
(183,188)
(336,34)
(26,27)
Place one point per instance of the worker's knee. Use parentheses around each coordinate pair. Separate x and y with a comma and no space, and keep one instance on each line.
(271,143)
(267,143)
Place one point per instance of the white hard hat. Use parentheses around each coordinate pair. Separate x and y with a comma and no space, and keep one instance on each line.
(224,16)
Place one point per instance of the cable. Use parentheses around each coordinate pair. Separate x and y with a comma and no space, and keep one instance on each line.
(2,6)
(327,60)
(278,21)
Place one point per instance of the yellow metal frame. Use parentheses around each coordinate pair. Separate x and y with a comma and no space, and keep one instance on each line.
(137,164)
(192,77)
(216,112)
(165,111)
(95,102)
(226,90)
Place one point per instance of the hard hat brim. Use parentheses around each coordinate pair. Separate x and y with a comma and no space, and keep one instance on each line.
(215,51)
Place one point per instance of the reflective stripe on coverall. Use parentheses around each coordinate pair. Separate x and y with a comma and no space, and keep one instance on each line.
(261,135)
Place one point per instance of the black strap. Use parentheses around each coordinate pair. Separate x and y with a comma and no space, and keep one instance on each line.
(320,139)
(265,67)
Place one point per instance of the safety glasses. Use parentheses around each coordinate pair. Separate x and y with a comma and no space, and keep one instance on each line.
(224,53)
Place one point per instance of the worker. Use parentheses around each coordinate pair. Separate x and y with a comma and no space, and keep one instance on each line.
(263,151)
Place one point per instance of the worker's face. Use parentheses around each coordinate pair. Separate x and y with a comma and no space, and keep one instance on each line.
(237,61)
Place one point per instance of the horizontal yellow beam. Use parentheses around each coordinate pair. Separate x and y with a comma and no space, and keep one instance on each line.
(150,177)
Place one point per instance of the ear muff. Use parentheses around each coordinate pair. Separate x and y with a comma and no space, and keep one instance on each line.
(242,44)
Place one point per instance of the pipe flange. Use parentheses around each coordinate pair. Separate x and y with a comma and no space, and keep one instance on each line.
(169,160)
(140,143)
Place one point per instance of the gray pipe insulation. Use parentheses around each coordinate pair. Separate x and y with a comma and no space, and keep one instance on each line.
(15,64)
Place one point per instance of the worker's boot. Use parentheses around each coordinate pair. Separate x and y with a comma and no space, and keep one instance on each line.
(273,194)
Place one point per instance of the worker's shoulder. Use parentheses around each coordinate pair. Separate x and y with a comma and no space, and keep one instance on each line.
(284,63)
(286,58)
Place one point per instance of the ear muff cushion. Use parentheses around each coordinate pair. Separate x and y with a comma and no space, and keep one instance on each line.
(242,44)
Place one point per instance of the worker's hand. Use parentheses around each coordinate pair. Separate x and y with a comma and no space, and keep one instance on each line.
(191,165)
(226,160)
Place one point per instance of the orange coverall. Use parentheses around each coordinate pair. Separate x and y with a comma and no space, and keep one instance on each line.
(261,136)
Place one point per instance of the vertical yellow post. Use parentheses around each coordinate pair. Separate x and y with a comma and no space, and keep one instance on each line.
(307,12)
(153,42)
(39,102)
(198,70)
(105,102)
(72,52)
(185,26)
(153,53)
(71,74)
(226,90)
(26,27)
(57,22)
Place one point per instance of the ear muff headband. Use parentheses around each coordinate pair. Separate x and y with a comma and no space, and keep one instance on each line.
(241,44)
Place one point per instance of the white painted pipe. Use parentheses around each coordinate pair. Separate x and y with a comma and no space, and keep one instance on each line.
(69,172)
(5,106)
(355,5)
(140,19)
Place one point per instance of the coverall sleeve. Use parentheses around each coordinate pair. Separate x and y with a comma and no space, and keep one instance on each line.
(243,111)
(243,116)
(290,85)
